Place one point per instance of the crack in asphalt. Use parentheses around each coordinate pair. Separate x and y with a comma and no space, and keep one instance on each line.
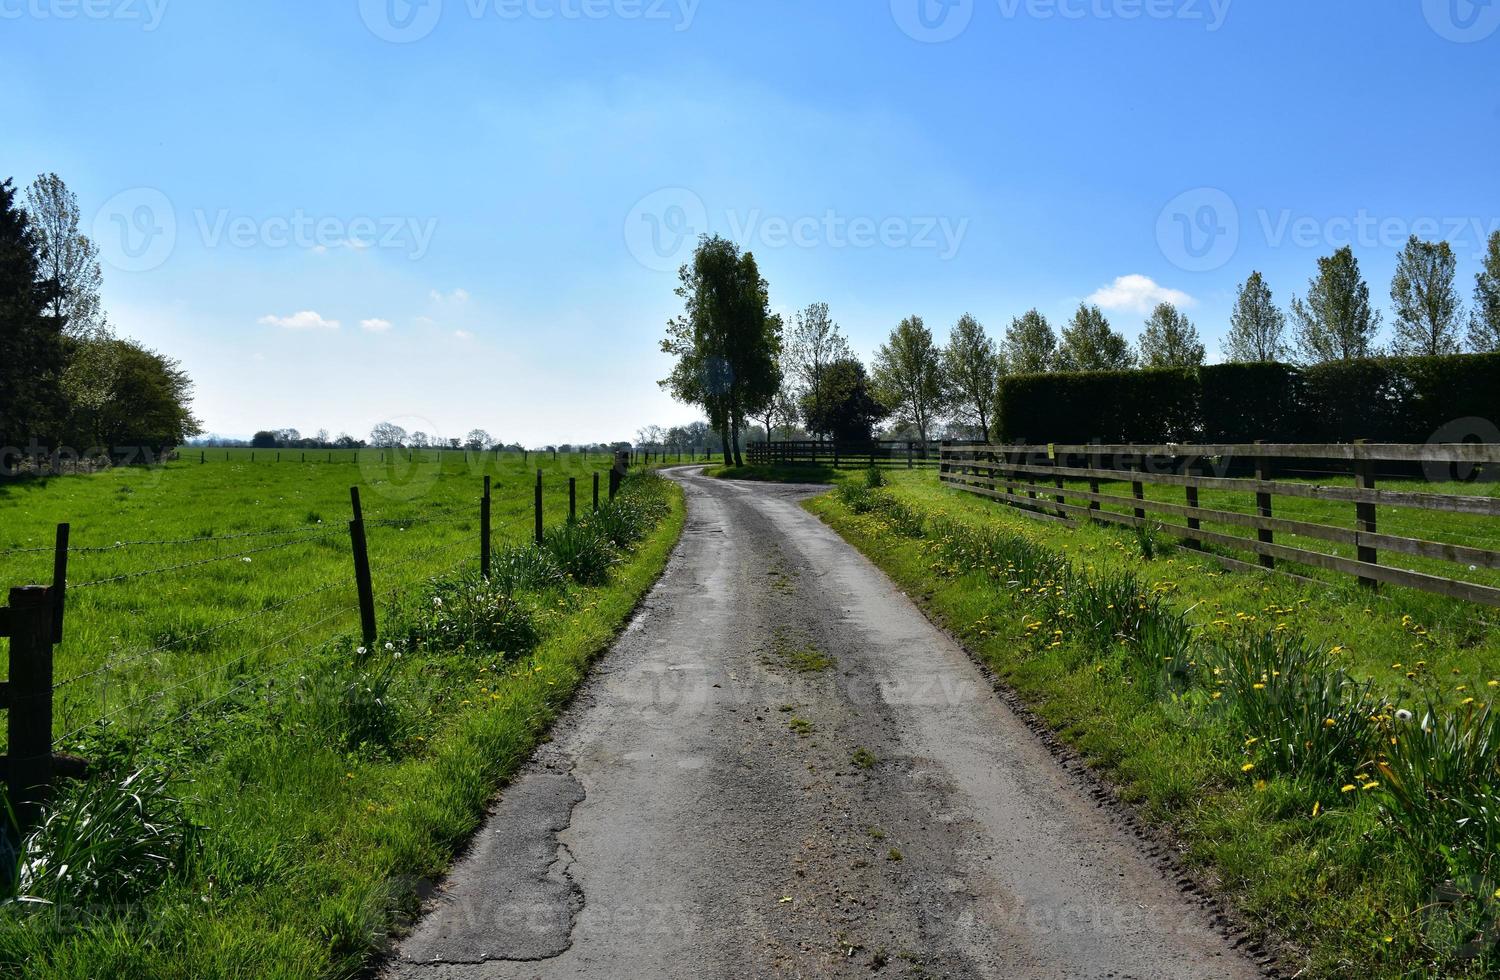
(783,769)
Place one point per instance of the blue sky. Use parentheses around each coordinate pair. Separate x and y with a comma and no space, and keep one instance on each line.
(486,196)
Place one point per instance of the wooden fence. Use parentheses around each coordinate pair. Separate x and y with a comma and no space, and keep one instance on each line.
(842,454)
(1069,482)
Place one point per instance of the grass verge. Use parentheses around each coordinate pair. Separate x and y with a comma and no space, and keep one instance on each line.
(315,812)
(1327,759)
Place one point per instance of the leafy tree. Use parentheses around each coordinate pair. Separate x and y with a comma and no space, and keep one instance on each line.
(152,401)
(387,435)
(1030,344)
(1257,328)
(67,257)
(1484,323)
(1170,340)
(1089,344)
(972,366)
(478,440)
(726,341)
(90,383)
(816,343)
(847,409)
(909,375)
(1426,301)
(31,347)
(1336,322)
(780,410)
(264,439)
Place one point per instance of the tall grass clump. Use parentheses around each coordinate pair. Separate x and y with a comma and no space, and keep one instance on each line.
(1298,714)
(582,551)
(355,706)
(521,568)
(464,614)
(100,847)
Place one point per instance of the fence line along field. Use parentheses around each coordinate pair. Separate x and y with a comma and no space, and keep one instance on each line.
(186,580)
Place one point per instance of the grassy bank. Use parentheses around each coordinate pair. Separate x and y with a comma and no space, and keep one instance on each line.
(288,830)
(1262,721)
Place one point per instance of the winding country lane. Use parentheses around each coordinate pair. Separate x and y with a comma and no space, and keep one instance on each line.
(782,769)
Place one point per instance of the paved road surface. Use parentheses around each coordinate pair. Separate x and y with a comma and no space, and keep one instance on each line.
(783,770)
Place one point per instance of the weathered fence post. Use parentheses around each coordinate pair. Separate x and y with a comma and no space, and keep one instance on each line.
(59,579)
(1263,505)
(484,531)
(1057,481)
(538,500)
(1138,489)
(1095,462)
(1193,523)
(572,500)
(1364,511)
(362,571)
(596,491)
(28,695)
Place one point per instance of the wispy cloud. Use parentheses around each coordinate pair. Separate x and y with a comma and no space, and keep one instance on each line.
(457,298)
(375,325)
(305,320)
(463,335)
(1138,294)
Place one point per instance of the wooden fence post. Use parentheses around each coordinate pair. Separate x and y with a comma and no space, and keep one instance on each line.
(362,571)
(1193,523)
(1095,462)
(538,500)
(28,696)
(572,500)
(1057,481)
(835,454)
(1364,479)
(596,491)
(1138,490)
(59,579)
(484,531)
(1263,505)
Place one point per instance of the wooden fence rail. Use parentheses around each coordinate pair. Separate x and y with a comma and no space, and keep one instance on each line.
(909,454)
(1066,482)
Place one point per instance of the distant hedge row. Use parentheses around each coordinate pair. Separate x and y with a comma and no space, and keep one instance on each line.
(1387,399)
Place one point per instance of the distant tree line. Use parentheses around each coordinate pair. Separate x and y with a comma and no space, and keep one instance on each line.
(751,372)
(66,378)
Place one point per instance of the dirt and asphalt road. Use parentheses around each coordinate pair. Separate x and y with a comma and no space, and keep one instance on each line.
(782,769)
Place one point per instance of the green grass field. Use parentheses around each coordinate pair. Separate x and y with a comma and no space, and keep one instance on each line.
(326,782)
(1321,859)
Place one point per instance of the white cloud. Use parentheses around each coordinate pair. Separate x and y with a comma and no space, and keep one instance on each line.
(1138,294)
(305,320)
(463,335)
(458,297)
(375,325)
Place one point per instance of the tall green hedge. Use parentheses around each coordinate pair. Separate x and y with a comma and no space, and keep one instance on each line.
(1388,399)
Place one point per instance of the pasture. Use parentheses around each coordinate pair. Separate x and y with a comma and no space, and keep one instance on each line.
(294,790)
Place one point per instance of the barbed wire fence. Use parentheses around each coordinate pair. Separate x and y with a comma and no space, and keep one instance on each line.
(261,644)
